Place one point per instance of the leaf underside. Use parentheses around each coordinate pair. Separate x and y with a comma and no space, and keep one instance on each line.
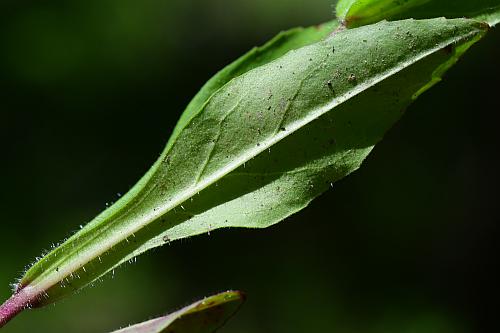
(262,142)
(205,316)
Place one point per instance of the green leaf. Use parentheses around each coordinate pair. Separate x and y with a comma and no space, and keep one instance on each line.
(205,316)
(361,12)
(354,13)
(262,146)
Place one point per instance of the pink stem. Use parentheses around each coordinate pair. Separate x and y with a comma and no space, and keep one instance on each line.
(13,306)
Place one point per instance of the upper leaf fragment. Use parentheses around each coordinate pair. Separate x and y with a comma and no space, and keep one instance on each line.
(355,13)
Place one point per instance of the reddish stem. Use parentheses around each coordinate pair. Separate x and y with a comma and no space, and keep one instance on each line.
(13,306)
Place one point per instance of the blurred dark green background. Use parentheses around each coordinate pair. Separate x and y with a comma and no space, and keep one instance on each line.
(90,91)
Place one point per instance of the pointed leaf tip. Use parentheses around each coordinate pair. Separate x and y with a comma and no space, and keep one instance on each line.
(204,316)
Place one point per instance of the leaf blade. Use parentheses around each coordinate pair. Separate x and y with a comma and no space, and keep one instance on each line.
(204,316)
(315,87)
(355,13)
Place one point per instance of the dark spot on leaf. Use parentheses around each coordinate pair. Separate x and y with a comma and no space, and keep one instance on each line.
(448,49)
(329,84)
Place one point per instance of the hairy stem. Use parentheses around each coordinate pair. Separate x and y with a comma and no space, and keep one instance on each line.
(13,306)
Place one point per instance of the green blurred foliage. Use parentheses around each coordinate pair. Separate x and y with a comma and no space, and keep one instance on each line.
(90,91)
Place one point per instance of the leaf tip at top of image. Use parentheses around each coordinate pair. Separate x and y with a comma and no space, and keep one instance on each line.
(355,13)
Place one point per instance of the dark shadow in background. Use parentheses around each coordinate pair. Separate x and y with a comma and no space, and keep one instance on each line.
(89,94)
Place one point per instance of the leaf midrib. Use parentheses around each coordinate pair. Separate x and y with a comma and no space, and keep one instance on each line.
(244,157)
